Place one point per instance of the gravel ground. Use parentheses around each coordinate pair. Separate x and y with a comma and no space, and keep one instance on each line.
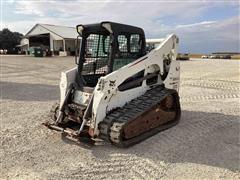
(204,145)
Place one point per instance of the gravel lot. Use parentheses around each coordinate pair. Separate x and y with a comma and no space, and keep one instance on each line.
(204,145)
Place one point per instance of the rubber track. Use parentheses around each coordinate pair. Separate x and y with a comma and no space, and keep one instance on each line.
(111,127)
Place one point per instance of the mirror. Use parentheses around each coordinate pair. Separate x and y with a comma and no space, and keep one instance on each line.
(80,29)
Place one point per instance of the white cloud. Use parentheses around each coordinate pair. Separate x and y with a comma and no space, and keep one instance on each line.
(135,12)
(216,36)
(203,23)
(24,25)
(29,8)
(156,18)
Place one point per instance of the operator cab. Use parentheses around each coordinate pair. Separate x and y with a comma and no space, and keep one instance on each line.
(106,47)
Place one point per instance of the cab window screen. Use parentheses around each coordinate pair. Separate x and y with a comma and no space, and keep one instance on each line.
(96,54)
(135,43)
(122,43)
(128,50)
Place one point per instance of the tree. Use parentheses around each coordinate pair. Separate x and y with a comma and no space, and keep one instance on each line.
(9,40)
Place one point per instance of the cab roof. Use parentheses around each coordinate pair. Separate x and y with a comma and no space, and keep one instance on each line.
(109,27)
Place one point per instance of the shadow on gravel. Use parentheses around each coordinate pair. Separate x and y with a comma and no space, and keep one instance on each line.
(29,92)
(201,138)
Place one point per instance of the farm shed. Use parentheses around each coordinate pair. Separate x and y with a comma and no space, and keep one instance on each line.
(53,39)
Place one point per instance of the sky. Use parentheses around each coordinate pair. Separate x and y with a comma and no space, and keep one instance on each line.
(202,26)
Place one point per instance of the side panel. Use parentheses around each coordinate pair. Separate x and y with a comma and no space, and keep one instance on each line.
(121,98)
(67,78)
(173,79)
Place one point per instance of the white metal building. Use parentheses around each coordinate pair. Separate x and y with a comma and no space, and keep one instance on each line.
(56,40)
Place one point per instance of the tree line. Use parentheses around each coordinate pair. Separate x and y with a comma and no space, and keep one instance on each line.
(9,40)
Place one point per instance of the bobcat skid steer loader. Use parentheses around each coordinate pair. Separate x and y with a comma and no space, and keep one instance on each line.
(118,92)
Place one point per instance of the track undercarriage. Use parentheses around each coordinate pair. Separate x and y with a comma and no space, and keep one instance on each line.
(156,110)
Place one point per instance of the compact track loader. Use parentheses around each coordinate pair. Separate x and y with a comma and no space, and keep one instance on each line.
(118,92)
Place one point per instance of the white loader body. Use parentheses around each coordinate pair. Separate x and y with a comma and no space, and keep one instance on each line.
(106,95)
